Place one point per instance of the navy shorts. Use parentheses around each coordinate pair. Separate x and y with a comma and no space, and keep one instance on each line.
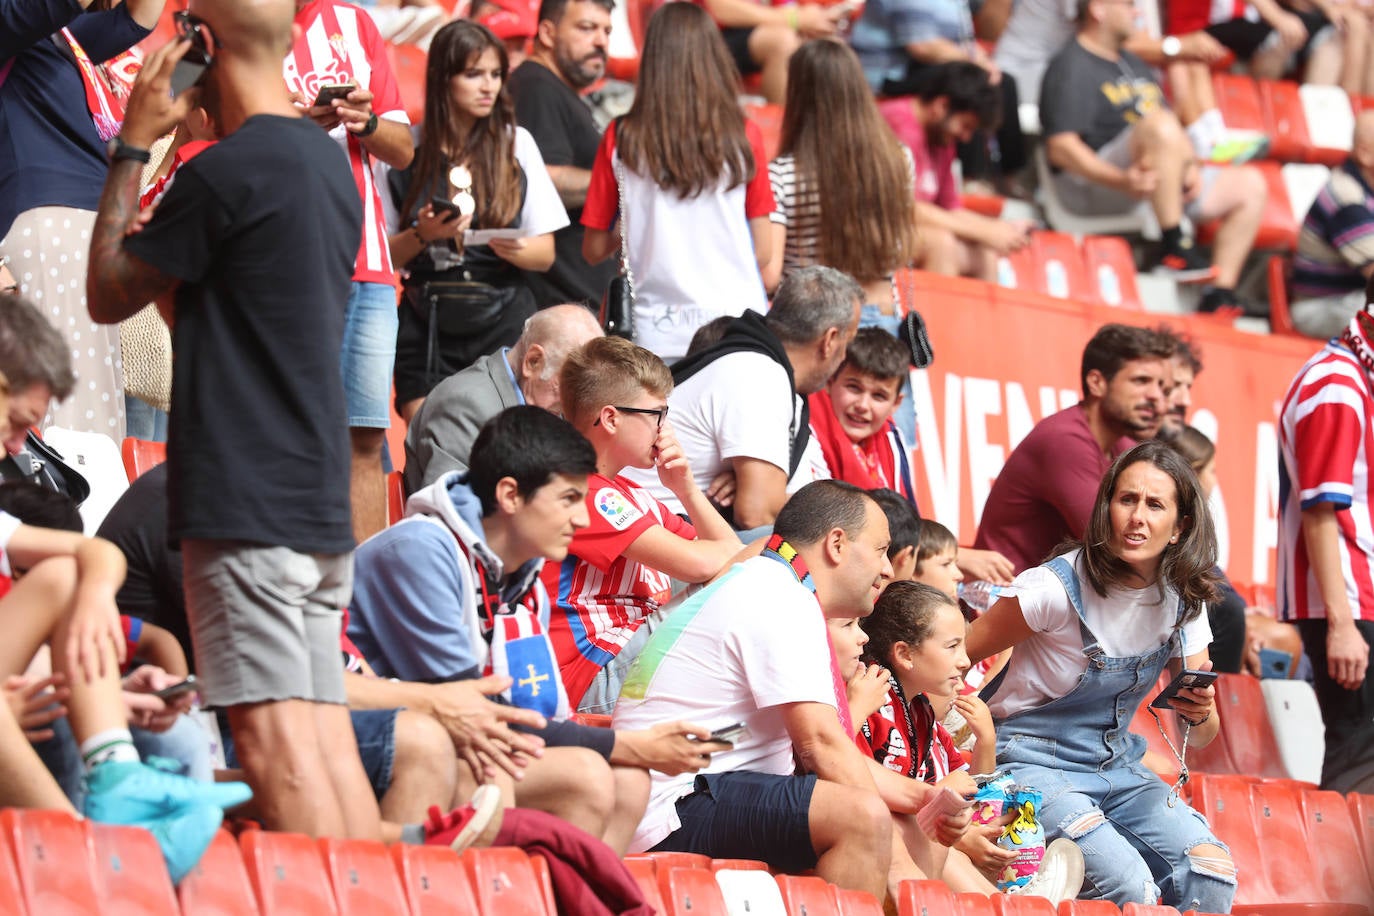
(737,40)
(747,816)
(375,731)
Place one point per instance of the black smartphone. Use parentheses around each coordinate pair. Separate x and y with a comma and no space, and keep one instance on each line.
(729,734)
(328,93)
(187,686)
(444,205)
(1186,678)
(189,71)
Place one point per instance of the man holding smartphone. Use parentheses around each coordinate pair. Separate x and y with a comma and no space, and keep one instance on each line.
(338,71)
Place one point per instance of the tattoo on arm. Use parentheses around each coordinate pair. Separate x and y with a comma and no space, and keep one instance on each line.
(117,283)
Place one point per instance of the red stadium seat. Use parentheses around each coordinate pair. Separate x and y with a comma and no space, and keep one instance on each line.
(594,719)
(540,865)
(1338,858)
(1246,742)
(691,892)
(809,896)
(665,860)
(1279,227)
(218,885)
(363,877)
(10,888)
(641,868)
(1288,855)
(434,880)
(1017,905)
(1019,271)
(395,497)
(52,858)
(1239,97)
(739,865)
(855,903)
(141,456)
(1285,122)
(769,120)
(408,63)
(925,898)
(1111,271)
(1225,801)
(1088,908)
(130,873)
(985,204)
(1362,814)
(1140,909)
(1280,321)
(287,873)
(1061,266)
(972,905)
(503,882)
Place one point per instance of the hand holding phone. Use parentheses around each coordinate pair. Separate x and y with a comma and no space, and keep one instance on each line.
(331,91)
(190,685)
(1186,679)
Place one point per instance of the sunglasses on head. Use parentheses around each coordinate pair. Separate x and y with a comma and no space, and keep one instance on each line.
(191,68)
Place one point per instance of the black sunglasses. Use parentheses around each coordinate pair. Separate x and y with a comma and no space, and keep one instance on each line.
(198,32)
(661,413)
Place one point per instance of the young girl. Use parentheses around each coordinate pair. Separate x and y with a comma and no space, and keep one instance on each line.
(865,684)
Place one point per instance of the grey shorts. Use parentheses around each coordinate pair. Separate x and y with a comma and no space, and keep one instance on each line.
(1088,198)
(265,621)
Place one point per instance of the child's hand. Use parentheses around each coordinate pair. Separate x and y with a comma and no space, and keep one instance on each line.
(979,843)
(867,691)
(37,704)
(978,716)
(674,472)
(960,781)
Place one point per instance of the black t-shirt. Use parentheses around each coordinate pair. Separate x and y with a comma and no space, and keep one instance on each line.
(562,126)
(262,229)
(1094,97)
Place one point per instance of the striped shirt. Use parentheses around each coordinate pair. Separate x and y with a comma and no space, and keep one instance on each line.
(338,43)
(798,211)
(1337,238)
(1325,440)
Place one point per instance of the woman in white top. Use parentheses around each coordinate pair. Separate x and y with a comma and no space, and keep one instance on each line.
(684,174)
(1093,628)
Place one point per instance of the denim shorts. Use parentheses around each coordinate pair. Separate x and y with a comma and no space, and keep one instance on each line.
(375,730)
(747,816)
(369,350)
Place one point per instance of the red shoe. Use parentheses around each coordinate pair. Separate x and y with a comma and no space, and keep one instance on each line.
(462,827)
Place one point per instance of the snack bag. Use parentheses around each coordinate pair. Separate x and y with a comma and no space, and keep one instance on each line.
(991,798)
(1025,836)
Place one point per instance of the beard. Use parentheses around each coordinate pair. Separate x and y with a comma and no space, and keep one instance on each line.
(581,73)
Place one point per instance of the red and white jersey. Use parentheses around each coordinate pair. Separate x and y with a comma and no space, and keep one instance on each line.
(8,525)
(340,44)
(1325,441)
(604,596)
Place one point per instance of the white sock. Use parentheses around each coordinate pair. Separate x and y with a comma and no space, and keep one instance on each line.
(112,744)
(1201,137)
(1216,124)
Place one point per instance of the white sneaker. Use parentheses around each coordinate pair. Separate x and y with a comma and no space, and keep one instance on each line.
(1060,876)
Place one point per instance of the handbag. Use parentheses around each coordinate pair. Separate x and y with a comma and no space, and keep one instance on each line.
(912,331)
(145,347)
(455,309)
(618,308)
(41,464)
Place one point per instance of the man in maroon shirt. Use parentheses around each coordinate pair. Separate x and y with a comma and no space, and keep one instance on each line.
(1046,489)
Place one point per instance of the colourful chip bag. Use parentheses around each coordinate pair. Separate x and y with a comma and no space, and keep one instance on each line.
(1025,836)
(991,798)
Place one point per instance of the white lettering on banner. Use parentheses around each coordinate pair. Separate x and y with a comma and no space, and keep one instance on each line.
(1266,529)
(942,475)
(982,399)
(1205,422)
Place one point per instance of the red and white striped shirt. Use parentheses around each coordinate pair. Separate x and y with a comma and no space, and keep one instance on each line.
(1325,441)
(340,44)
(602,596)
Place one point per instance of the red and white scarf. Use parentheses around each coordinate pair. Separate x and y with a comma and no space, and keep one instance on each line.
(107,85)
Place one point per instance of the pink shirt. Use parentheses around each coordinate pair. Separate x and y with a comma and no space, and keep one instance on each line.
(934,165)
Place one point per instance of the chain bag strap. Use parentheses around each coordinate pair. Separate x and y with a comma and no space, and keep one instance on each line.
(619,317)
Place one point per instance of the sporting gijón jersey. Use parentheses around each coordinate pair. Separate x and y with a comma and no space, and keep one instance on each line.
(603,595)
(1325,440)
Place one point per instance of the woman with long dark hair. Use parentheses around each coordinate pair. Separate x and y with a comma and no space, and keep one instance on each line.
(682,175)
(474,169)
(1093,628)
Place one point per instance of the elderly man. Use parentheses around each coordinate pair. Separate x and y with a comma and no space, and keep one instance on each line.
(441,434)
(1336,249)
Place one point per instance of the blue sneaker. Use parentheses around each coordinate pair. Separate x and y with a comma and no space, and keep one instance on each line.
(121,792)
(184,836)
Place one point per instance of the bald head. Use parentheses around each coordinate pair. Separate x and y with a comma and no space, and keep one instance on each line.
(538,356)
(249,30)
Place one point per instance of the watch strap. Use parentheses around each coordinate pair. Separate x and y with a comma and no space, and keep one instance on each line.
(121,150)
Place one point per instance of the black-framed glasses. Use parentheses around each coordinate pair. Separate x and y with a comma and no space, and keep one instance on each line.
(658,413)
(198,32)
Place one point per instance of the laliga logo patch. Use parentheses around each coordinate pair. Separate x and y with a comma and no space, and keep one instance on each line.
(615,508)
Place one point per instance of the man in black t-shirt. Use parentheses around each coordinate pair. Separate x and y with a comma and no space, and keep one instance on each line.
(1113,142)
(250,256)
(569,55)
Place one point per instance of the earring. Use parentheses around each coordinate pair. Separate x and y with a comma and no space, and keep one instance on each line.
(1173,540)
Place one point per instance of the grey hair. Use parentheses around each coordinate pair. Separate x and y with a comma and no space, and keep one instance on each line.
(32,351)
(811,301)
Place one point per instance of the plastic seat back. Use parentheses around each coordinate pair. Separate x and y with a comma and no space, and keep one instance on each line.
(1246,743)
(856,903)
(973,905)
(1296,720)
(1017,905)
(363,877)
(52,858)
(1060,263)
(1287,855)
(218,885)
(1111,271)
(738,865)
(925,898)
(130,873)
(1330,123)
(809,896)
(1239,97)
(750,892)
(10,889)
(1141,909)
(434,881)
(1362,814)
(503,882)
(1335,842)
(141,456)
(1018,270)
(641,868)
(540,866)
(1226,803)
(1285,121)
(1088,908)
(692,892)
(287,873)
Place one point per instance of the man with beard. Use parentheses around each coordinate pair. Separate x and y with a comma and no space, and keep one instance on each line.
(569,55)
(955,100)
(1046,489)
(1183,372)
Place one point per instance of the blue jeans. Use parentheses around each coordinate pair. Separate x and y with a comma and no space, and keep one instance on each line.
(375,731)
(369,351)
(870,316)
(144,421)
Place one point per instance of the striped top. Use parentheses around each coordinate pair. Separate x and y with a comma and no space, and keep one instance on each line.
(1337,238)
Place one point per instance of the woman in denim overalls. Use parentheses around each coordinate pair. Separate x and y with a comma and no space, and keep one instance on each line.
(1118,608)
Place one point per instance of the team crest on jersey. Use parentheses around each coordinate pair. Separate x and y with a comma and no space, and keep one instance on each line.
(615,508)
(340,46)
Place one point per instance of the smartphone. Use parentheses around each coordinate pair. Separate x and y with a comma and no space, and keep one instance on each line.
(444,205)
(728,734)
(1275,663)
(189,71)
(331,91)
(187,686)
(1186,678)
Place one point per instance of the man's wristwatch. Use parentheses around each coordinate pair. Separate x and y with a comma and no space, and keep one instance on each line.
(118,150)
(370,128)
(1171,46)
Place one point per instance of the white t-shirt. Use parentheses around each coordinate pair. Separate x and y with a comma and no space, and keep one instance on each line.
(543,209)
(1128,622)
(733,408)
(733,652)
(8,526)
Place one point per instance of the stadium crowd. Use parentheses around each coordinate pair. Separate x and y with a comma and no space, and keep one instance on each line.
(667,587)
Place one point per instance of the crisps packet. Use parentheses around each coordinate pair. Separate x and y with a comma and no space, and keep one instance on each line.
(991,798)
(1025,836)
